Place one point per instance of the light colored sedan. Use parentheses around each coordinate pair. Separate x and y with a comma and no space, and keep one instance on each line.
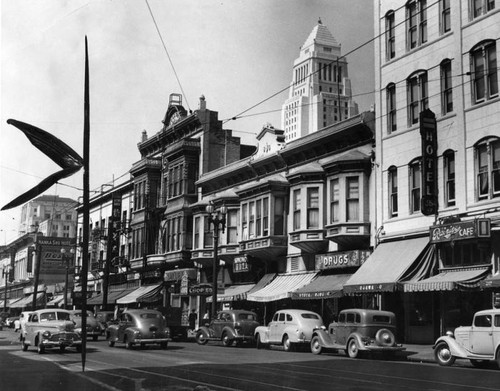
(93,327)
(288,328)
(50,328)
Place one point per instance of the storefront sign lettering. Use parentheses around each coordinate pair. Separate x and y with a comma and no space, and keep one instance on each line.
(241,265)
(459,231)
(344,259)
(201,290)
(428,133)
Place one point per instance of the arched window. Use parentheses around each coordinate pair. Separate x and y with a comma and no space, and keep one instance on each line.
(487,167)
(392,176)
(484,72)
(415,185)
(446,87)
(418,98)
(391,108)
(390,37)
(449,177)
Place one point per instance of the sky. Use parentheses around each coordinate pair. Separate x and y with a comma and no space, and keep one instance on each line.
(236,53)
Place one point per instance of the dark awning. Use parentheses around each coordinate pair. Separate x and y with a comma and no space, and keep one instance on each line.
(322,287)
(112,296)
(386,266)
(28,301)
(449,280)
(146,293)
(176,274)
(233,293)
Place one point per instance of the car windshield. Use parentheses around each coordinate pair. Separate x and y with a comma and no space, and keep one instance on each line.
(246,317)
(309,316)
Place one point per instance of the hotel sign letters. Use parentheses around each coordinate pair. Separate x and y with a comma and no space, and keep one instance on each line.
(343,259)
(428,133)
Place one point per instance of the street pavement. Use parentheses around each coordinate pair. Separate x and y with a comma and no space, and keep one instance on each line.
(415,353)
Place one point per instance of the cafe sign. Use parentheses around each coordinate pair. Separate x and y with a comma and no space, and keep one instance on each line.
(241,265)
(341,259)
(479,228)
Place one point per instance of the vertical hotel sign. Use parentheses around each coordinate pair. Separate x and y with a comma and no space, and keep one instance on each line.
(428,133)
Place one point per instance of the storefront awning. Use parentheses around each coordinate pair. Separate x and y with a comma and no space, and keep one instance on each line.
(112,296)
(143,293)
(322,287)
(491,282)
(449,280)
(233,293)
(387,264)
(28,301)
(55,300)
(177,274)
(281,287)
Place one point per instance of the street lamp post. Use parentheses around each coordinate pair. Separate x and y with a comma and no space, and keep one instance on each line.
(218,219)
(6,272)
(66,261)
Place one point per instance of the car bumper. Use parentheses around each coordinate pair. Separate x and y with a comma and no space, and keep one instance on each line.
(151,340)
(375,348)
(59,343)
(244,338)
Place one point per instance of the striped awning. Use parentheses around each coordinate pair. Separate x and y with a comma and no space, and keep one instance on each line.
(281,287)
(28,301)
(112,296)
(450,280)
(233,293)
(147,293)
(56,300)
(322,287)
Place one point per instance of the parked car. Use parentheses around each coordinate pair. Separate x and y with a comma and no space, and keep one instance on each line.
(288,328)
(231,326)
(23,318)
(480,343)
(139,327)
(105,318)
(9,322)
(93,328)
(50,328)
(358,330)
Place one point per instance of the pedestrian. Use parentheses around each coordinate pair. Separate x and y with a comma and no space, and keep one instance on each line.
(192,319)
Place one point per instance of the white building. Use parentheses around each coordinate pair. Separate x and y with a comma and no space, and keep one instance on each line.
(320,91)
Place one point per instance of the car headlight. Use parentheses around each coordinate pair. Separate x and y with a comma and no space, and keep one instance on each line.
(46,334)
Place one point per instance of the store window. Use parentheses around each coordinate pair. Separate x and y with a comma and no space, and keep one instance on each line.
(418,99)
(232,226)
(449,177)
(393,191)
(446,87)
(484,72)
(487,161)
(415,184)
(416,23)
(465,253)
(255,216)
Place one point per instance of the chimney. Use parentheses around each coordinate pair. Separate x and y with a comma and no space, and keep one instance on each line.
(203,104)
(144,136)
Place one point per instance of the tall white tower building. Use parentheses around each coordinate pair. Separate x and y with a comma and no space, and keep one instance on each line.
(320,92)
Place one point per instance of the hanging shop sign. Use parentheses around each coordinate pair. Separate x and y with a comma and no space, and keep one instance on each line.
(201,290)
(241,265)
(479,228)
(428,133)
(341,259)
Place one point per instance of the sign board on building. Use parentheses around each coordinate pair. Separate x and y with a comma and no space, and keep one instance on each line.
(428,133)
(341,259)
(460,231)
(203,289)
(51,257)
(241,265)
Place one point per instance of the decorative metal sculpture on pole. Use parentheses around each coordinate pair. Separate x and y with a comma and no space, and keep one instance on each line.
(70,162)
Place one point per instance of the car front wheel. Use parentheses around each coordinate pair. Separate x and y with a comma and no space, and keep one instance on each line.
(352,348)
(443,355)
(200,338)
(316,347)
(226,340)
(111,343)
(24,346)
(258,342)
(40,349)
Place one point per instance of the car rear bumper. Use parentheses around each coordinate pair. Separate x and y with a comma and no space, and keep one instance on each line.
(376,348)
(151,340)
